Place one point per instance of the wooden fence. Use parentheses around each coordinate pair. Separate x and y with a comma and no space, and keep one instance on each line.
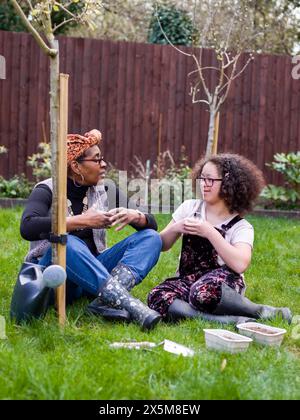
(138,96)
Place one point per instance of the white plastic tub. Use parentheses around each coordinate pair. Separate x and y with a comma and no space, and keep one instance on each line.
(261,333)
(227,341)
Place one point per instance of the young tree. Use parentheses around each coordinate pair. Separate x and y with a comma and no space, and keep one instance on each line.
(227,29)
(39,23)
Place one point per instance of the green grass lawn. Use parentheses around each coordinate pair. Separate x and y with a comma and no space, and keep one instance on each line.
(41,361)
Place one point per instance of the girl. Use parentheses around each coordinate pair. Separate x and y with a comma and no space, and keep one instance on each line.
(216,247)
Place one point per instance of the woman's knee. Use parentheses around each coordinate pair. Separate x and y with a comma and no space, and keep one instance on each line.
(152,237)
(73,242)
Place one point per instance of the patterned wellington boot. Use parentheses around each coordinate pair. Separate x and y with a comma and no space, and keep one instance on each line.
(180,309)
(97,307)
(115,294)
(232,303)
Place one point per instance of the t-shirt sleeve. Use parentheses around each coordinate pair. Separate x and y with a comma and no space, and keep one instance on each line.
(243,233)
(184,210)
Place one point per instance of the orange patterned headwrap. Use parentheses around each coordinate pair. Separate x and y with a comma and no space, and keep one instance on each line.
(77,144)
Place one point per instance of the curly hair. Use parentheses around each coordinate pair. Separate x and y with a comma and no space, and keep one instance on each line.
(242,180)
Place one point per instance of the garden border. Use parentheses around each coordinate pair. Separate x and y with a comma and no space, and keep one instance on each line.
(12,202)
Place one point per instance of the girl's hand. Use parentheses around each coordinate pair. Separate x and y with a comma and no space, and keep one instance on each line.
(197,227)
(178,227)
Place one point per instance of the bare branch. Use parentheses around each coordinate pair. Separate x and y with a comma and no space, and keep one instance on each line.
(211,14)
(194,13)
(227,87)
(197,101)
(229,61)
(229,34)
(63,23)
(233,75)
(221,78)
(202,78)
(29,4)
(226,56)
(193,93)
(166,36)
(68,3)
(241,71)
(49,51)
(65,9)
(208,68)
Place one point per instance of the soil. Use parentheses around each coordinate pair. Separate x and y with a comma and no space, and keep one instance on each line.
(262,330)
(228,337)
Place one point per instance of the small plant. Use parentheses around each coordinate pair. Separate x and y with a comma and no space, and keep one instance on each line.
(171,176)
(289,195)
(16,187)
(180,171)
(41,162)
(165,167)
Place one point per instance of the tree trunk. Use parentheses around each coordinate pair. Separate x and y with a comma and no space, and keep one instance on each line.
(211,130)
(54,124)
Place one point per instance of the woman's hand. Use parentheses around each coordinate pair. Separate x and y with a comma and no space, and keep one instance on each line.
(123,217)
(96,219)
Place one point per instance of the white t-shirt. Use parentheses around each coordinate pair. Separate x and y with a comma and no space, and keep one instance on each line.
(242,231)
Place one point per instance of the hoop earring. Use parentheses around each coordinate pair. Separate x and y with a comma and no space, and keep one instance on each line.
(78,185)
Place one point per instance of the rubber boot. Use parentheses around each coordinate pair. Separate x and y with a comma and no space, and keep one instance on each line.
(232,303)
(114,293)
(180,309)
(97,307)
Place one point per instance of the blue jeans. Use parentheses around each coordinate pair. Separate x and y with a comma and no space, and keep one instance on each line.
(87,274)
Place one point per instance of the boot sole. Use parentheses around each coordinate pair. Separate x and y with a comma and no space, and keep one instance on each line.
(150,322)
(110,314)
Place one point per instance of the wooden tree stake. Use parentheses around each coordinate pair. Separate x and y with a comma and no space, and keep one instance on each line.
(62,189)
(216,134)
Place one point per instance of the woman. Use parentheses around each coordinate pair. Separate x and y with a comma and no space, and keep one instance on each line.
(108,274)
(216,248)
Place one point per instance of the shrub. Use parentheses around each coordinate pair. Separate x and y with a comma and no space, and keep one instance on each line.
(41,162)
(16,187)
(289,195)
(176,24)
